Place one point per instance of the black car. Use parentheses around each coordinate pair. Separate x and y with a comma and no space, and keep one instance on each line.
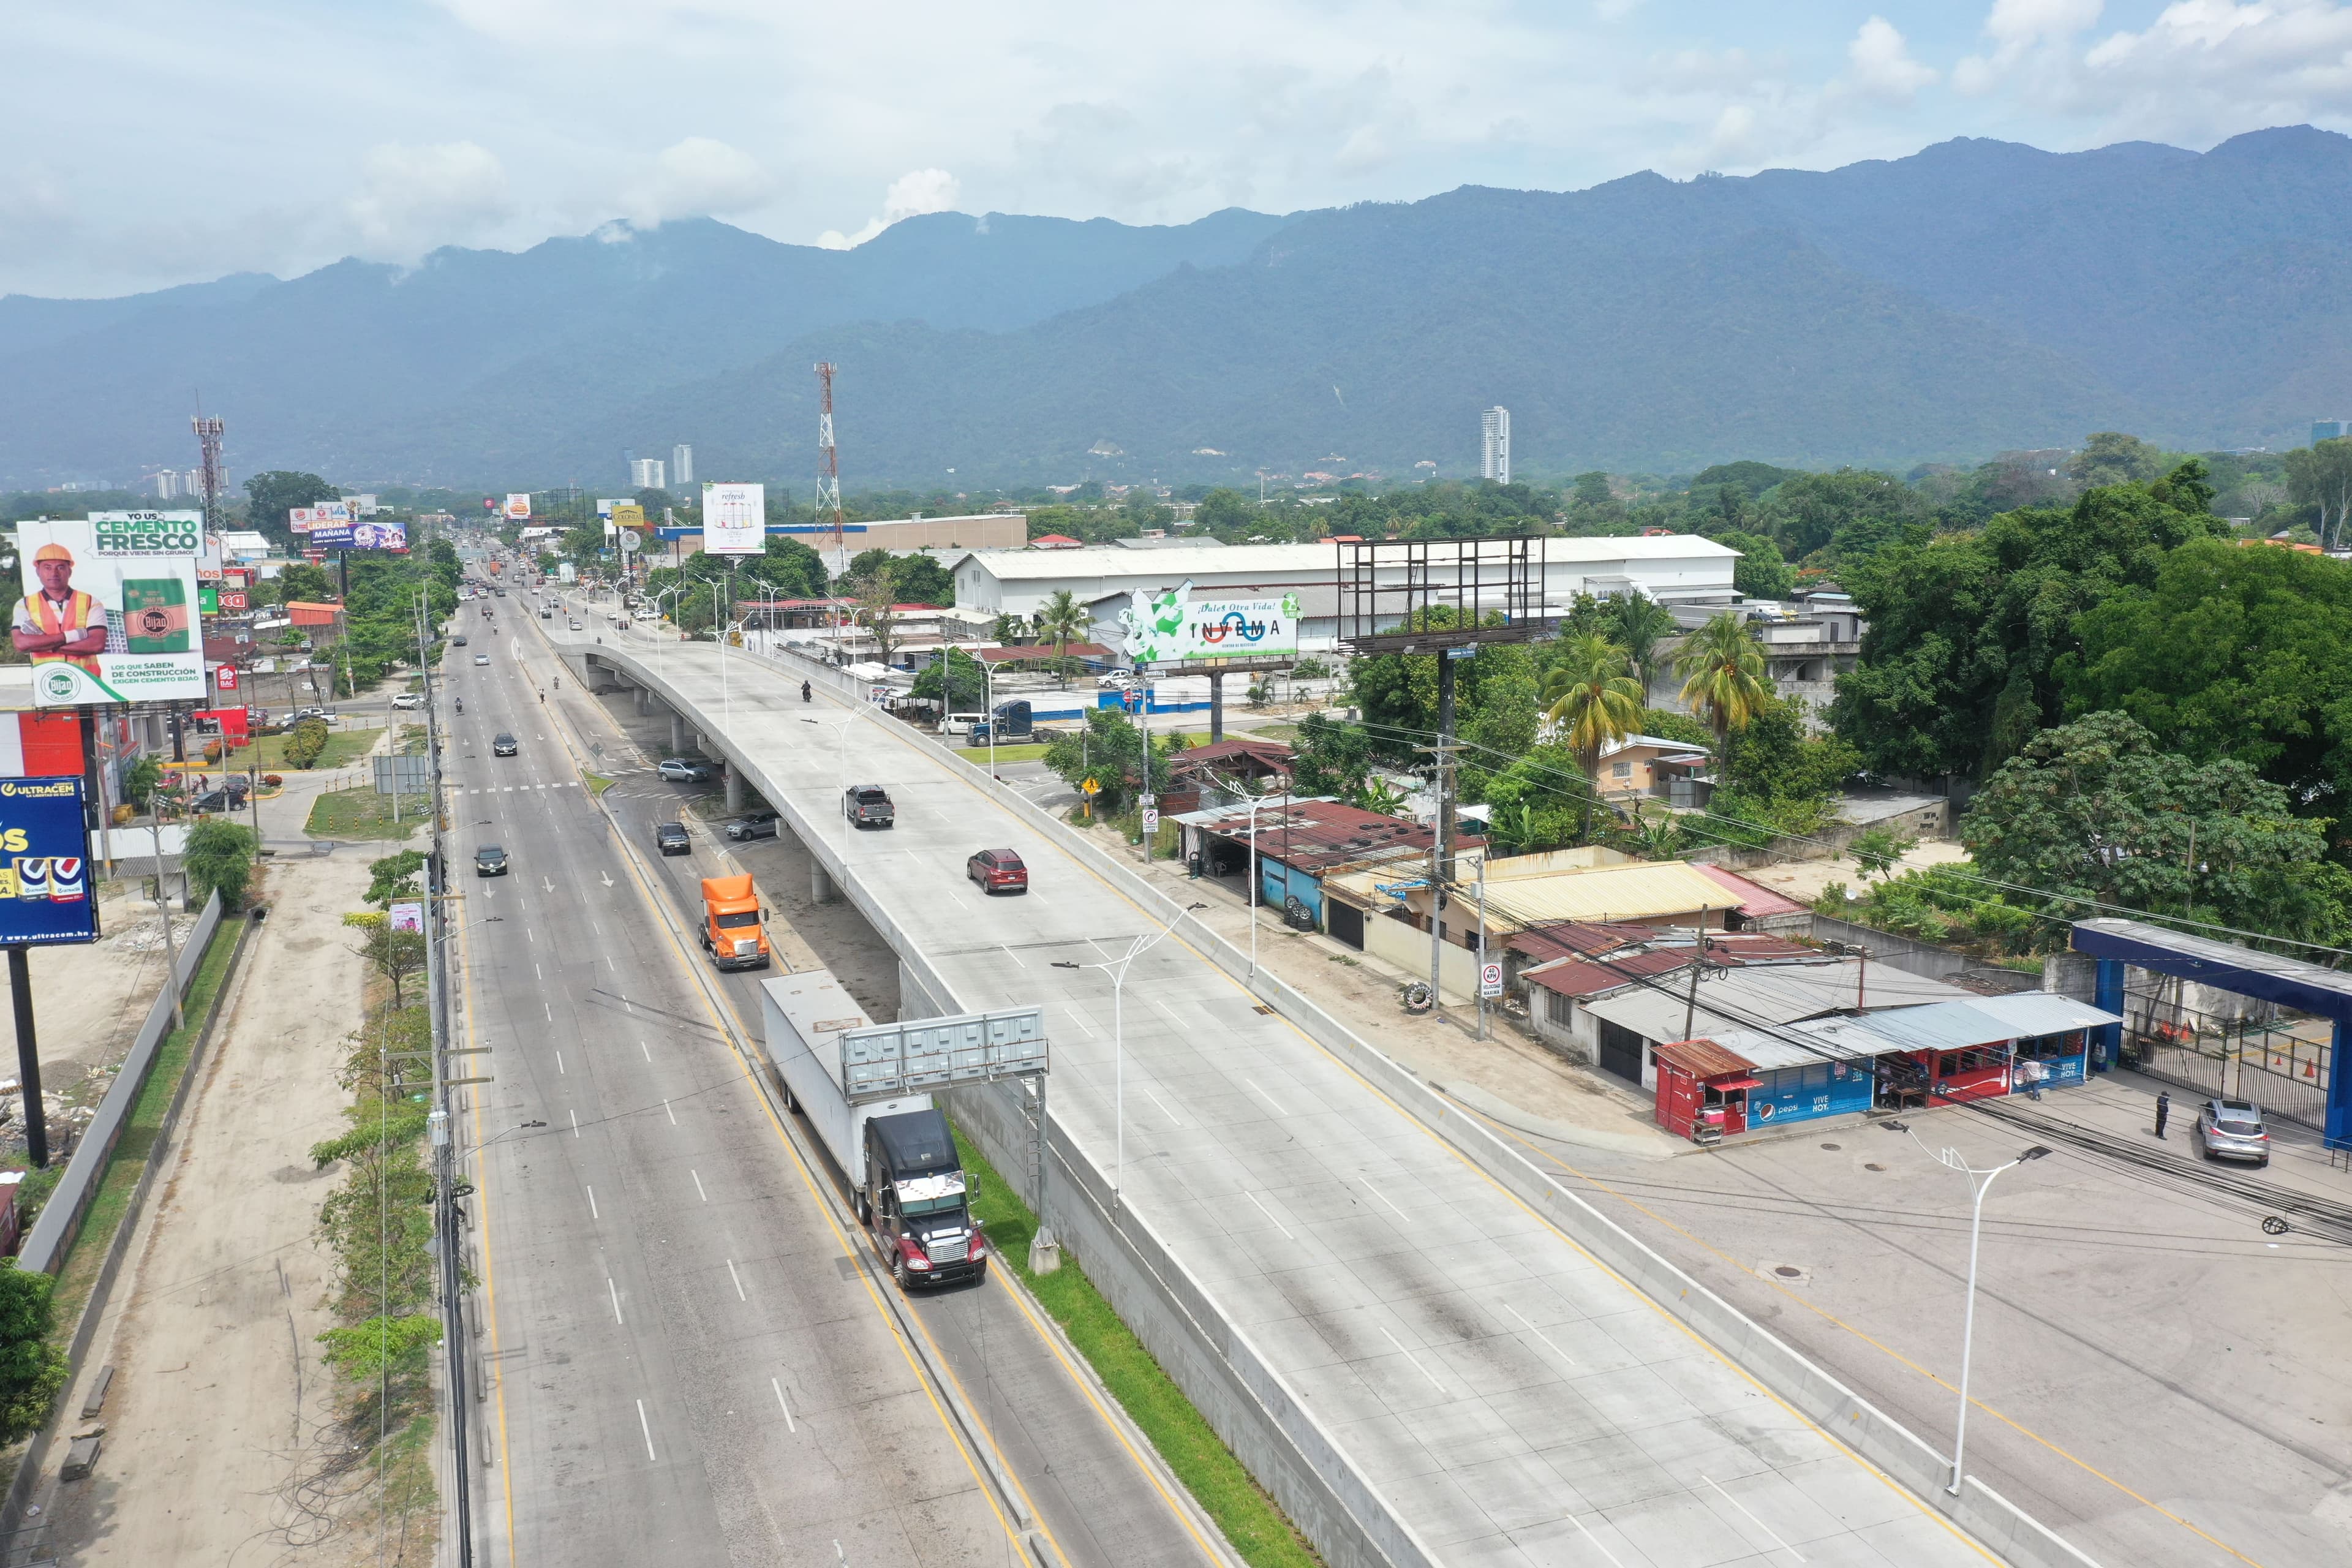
(672,838)
(458,641)
(756,825)
(217,800)
(503,745)
(868,806)
(490,861)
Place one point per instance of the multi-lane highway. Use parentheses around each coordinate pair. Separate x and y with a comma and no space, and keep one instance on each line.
(687,1360)
(1504,1397)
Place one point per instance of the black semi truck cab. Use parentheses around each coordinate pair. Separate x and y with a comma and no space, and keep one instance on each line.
(918,1211)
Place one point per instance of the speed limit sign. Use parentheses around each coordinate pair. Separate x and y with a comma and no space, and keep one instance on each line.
(1490,980)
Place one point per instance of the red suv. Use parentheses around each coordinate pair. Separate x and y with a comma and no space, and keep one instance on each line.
(998,871)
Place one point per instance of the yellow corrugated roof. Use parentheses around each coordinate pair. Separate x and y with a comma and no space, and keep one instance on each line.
(1641,890)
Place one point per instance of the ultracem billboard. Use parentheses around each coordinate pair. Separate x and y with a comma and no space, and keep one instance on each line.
(45,880)
(1173,628)
(110,608)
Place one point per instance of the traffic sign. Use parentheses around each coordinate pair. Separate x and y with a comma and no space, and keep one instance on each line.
(1150,819)
(631,540)
(1490,980)
(1092,786)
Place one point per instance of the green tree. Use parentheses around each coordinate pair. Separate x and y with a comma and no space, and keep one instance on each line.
(32,1371)
(920,579)
(1592,488)
(1542,801)
(1591,694)
(268,497)
(1329,758)
(306,744)
(955,681)
(1722,666)
(1227,510)
(1638,624)
(1110,750)
(393,878)
(1969,628)
(382,1349)
(218,857)
(1776,772)
(1062,620)
(1812,511)
(396,954)
(866,566)
(2320,476)
(2112,458)
(1760,573)
(2096,810)
(302,581)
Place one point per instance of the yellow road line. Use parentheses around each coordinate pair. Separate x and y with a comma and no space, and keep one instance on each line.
(808,1179)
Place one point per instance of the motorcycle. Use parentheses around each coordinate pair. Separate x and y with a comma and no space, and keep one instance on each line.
(804,692)
(461,705)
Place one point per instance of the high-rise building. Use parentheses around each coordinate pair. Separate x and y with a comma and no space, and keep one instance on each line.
(1494,445)
(682,466)
(648,474)
(167,484)
(2329,430)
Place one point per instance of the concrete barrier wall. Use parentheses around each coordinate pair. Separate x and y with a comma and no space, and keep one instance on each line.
(1158,1299)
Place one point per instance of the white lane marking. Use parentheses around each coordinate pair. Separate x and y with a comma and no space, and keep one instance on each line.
(1596,1541)
(591,1204)
(1753,1519)
(1081,1022)
(1262,1094)
(1012,955)
(1416,1365)
(698,1185)
(739,1280)
(576,1124)
(527,937)
(1269,1214)
(646,1428)
(1539,1333)
(647,1049)
(781,1405)
(1163,1107)
(673,1115)
(549,1005)
(1382,1196)
(537,973)
(559,1063)
(616,1290)
(600,929)
(608,960)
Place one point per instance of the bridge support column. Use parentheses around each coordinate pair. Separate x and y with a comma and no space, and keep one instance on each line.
(2108,992)
(820,883)
(734,789)
(1216,708)
(645,700)
(677,734)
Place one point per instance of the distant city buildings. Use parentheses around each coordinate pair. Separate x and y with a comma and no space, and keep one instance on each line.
(682,466)
(1494,445)
(648,474)
(177,484)
(2329,430)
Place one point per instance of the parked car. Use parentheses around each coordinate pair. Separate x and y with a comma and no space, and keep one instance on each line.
(755,825)
(502,745)
(481,658)
(490,861)
(409,700)
(672,838)
(998,871)
(684,770)
(2233,1130)
(868,806)
(324,715)
(219,800)
(1114,680)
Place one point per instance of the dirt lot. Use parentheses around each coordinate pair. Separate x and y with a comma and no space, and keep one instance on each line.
(219,1404)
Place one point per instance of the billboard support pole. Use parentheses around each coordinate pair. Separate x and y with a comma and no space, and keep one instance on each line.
(28,1059)
(96,809)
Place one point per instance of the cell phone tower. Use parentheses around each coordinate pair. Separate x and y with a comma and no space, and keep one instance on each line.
(208,441)
(828,479)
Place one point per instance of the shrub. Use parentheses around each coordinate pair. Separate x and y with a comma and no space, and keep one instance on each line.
(307,742)
(218,857)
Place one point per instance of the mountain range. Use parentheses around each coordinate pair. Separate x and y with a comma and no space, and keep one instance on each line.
(1977,296)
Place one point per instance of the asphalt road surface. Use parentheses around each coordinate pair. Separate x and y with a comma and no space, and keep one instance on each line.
(687,1362)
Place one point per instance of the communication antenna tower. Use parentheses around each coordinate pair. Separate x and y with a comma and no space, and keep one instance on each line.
(209,440)
(828,480)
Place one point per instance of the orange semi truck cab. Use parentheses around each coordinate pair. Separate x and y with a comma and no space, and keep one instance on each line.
(733,933)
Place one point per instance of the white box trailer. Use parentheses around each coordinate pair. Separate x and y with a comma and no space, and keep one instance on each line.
(805,1016)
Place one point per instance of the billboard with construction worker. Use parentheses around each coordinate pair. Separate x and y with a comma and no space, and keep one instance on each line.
(109,612)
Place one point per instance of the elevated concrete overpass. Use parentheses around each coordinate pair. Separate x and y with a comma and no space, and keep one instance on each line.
(1424,1349)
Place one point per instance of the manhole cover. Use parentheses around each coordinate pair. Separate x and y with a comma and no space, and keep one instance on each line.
(1786,1272)
(1873,1166)
(1832,1148)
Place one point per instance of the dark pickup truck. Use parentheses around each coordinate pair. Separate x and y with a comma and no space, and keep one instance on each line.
(868,806)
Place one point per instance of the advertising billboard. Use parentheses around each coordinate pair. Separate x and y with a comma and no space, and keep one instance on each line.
(45,891)
(1174,627)
(360,536)
(110,608)
(518,504)
(734,518)
(310,518)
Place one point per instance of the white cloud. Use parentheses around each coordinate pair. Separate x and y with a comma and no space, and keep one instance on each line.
(1882,66)
(697,178)
(417,197)
(2018,29)
(910,195)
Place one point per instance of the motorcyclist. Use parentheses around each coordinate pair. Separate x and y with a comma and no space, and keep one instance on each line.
(461,705)
(804,692)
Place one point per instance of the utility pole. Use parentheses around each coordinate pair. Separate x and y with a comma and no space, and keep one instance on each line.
(1441,854)
(1699,962)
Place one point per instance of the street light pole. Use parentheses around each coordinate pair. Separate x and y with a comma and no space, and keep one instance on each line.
(1980,1183)
(1117,969)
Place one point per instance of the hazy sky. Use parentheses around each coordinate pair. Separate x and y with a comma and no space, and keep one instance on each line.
(148,142)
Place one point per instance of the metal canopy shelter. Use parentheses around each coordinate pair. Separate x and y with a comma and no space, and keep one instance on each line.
(2290,981)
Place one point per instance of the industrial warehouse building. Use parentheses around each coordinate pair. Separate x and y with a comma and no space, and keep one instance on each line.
(1673,569)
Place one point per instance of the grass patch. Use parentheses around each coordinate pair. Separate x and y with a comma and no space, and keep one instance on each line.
(597,783)
(137,1144)
(268,752)
(364,814)
(1006,753)
(1251,1520)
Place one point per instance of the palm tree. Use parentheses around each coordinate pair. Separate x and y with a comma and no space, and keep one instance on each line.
(1639,624)
(1062,620)
(1590,693)
(1722,666)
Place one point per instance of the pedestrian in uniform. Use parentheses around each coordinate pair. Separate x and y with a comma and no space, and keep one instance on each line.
(2163,1111)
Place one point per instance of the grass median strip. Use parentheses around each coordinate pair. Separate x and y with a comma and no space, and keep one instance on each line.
(136,1146)
(1251,1520)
